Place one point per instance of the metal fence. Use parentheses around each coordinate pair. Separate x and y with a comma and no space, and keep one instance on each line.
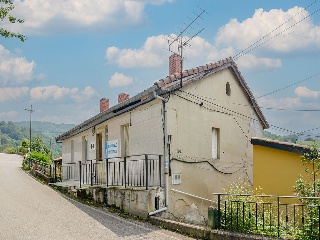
(51,171)
(278,216)
(134,171)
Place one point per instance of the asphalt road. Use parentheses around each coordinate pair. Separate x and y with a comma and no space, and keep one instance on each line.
(31,210)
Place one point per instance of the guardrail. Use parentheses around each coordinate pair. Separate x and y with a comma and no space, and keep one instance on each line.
(51,171)
(278,216)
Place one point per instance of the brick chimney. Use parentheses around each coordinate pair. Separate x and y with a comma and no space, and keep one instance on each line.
(104,104)
(123,97)
(175,64)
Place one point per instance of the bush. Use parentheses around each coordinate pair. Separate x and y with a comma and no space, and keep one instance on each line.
(10,150)
(40,157)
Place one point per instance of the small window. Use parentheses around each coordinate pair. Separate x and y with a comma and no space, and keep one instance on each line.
(215,143)
(228,89)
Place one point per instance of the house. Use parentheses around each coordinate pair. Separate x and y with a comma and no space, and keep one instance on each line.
(180,140)
(277,166)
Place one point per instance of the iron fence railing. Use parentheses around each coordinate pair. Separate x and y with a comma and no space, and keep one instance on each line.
(52,170)
(279,216)
(134,171)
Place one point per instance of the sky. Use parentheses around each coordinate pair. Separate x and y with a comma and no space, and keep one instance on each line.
(79,51)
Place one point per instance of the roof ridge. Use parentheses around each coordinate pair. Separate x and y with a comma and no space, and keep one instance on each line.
(192,71)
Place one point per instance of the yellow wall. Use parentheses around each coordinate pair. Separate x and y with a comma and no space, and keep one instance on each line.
(276,171)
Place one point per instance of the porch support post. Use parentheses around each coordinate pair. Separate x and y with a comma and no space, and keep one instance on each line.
(125,171)
(80,173)
(147,172)
(107,170)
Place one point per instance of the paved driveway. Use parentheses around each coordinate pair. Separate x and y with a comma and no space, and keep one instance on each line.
(31,210)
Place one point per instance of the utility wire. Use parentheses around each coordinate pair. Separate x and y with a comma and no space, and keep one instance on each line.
(278,34)
(290,85)
(243,51)
(15,100)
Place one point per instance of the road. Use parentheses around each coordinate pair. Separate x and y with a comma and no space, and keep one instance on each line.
(32,210)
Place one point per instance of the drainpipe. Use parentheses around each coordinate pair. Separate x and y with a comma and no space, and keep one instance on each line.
(166,154)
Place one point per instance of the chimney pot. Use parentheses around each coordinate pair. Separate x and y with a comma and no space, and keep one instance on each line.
(123,97)
(104,104)
(175,64)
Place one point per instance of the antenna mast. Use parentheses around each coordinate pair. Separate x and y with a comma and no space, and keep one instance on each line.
(184,42)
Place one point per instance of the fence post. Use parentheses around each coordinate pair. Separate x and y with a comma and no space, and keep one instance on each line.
(160,170)
(125,171)
(278,202)
(80,177)
(219,211)
(91,172)
(55,172)
(107,170)
(146,161)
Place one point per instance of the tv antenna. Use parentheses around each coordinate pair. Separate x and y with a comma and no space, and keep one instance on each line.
(184,41)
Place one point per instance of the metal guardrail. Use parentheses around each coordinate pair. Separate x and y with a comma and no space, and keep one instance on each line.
(135,171)
(267,214)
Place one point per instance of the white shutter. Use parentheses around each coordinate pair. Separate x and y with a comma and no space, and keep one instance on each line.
(214,143)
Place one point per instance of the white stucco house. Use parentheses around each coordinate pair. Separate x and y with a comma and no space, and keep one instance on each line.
(185,136)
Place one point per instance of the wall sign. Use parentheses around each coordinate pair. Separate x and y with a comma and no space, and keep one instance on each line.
(111,148)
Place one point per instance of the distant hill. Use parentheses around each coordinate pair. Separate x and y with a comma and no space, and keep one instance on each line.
(11,133)
(293,138)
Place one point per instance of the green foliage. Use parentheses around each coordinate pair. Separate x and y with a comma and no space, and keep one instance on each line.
(10,150)
(309,187)
(40,157)
(6,6)
(17,135)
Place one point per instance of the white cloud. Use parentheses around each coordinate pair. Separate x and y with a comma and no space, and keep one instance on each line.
(8,94)
(58,93)
(233,38)
(8,115)
(58,16)
(303,36)
(306,93)
(15,70)
(120,80)
(85,95)
(282,103)
(251,61)
(150,55)
(53,92)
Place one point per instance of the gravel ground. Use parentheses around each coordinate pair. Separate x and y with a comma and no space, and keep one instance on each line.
(31,210)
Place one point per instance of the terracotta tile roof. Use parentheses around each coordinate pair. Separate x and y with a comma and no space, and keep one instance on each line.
(169,83)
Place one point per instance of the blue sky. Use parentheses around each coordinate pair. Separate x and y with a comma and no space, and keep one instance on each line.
(79,51)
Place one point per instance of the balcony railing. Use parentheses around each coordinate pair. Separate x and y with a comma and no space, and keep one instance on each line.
(131,171)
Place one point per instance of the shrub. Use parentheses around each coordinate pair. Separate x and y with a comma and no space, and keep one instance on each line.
(10,150)
(40,157)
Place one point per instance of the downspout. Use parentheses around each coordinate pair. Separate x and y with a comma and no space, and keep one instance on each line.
(166,155)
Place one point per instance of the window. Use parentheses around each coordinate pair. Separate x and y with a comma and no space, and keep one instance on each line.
(215,143)
(228,89)
(125,140)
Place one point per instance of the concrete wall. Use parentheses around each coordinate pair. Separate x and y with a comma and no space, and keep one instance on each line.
(135,201)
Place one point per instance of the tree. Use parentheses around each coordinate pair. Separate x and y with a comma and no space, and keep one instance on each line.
(310,185)
(5,7)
